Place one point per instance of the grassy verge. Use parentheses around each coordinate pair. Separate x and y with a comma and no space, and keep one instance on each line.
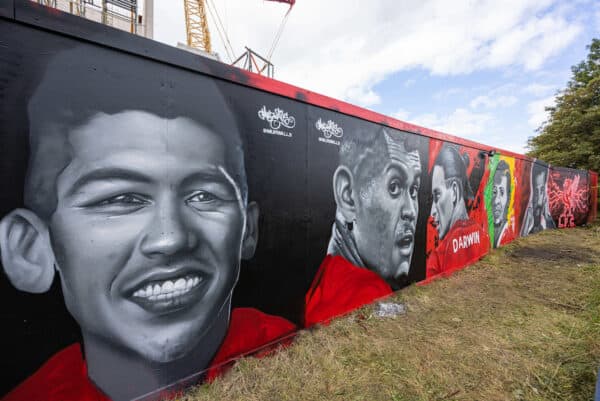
(523,324)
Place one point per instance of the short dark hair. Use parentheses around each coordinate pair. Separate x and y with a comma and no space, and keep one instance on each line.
(83,81)
(455,166)
(363,150)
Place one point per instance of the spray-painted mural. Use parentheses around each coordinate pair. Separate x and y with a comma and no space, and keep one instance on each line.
(536,216)
(500,200)
(376,188)
(162,214)
(568,196)
(457,234)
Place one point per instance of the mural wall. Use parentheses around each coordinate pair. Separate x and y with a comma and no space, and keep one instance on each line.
(162,214)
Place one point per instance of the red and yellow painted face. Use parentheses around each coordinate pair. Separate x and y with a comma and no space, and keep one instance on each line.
(500,192)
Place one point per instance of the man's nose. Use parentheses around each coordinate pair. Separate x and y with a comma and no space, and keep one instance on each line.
(168,232)
(408,209)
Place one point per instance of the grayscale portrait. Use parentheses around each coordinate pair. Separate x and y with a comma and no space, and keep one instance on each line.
(376,188)
(135,198)
(537,216)
(501,190)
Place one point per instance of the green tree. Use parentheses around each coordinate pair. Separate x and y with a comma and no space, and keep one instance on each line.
(571,136)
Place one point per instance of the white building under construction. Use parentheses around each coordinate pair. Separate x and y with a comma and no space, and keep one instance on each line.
(134,16)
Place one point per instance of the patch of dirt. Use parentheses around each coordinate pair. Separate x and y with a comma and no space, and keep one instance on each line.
(553,252)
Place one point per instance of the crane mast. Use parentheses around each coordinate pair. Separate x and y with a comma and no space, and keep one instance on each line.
(196,25)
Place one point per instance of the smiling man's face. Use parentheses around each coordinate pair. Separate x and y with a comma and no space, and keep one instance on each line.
(147,232)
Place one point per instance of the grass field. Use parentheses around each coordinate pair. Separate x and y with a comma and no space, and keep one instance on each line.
(522,324)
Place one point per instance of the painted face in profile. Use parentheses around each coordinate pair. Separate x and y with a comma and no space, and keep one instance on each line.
(500,197)
(387,209)
(147,232)
(442,206)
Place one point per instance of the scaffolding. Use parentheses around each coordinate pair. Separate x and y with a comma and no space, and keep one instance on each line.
(254,62)
(120,14)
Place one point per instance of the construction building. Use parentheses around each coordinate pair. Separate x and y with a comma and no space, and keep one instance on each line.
(134,16)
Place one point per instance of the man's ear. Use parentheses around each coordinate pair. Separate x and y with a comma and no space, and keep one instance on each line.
(251,233)
(27,256)
(343,192)
(455,192)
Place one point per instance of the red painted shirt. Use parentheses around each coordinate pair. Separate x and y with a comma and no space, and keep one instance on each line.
(340,287)
(64,376)
(465,243)
(507,235)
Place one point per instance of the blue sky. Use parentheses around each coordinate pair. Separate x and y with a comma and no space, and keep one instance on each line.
(482,70)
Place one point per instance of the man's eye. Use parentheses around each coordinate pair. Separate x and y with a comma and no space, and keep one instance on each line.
(124,199)
(394,188)
(202,197)
(414,191)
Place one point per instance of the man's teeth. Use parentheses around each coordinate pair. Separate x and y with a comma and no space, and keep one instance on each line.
(168,289)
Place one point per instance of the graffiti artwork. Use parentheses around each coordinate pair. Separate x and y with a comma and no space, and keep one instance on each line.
(568,196)
(457,232)
(537,215)
(500,197)
(163,214)
(376,189)
(141,210)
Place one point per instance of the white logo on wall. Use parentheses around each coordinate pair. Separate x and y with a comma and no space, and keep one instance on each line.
(329,129)
(277,119)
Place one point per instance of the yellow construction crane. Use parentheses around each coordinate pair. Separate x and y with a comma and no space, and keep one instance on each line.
(196,25)
(198,35)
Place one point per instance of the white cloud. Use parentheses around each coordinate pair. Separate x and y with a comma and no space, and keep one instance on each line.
(512,146)
(493,102)
(461,122)
(539,89)
(362,96)
(401,114)
(537,112)
(344,48)
(447,93)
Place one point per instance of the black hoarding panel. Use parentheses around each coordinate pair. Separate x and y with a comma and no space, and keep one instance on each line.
(162,214)
(274,130)
(126,203)
(7,8)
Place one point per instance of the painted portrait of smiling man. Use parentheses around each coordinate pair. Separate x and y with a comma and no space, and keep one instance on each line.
(136,200)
